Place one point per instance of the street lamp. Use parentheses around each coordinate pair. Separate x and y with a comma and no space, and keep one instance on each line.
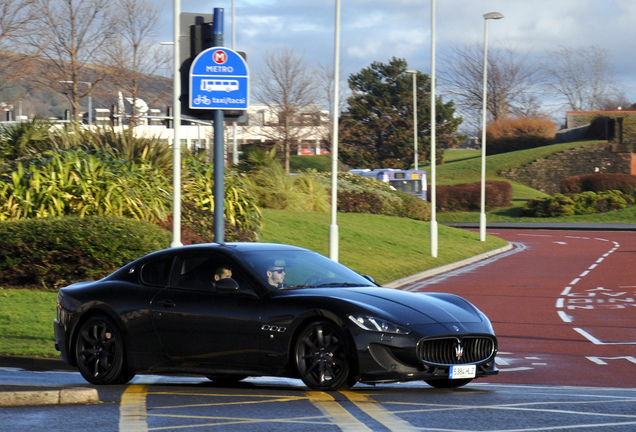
(433,223)
(90,99)
(333,228)
(482,214)
(414,73)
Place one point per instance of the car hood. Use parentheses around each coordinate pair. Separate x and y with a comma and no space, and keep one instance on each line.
(406,307)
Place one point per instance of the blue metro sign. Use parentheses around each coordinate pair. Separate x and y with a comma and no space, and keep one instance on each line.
(219,79)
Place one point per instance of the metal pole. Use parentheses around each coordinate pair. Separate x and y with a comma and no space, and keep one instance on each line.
(234,143)
(90,104)
(333,228)
(219,145)
(433,143)
(415,118)
(482,214)
(176,140)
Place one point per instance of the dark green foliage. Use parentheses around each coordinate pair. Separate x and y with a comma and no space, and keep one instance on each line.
(377,126)
(467,196)
(625,183)
(577,204)
(50,252)
(357,194)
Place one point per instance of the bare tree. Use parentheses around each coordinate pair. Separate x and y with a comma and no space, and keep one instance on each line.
(14,15)
(325,85)
(511,81)
(582,76)
(70,35)
(133,51)
(287,88)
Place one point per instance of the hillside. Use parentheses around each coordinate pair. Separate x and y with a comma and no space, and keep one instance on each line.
(32,99)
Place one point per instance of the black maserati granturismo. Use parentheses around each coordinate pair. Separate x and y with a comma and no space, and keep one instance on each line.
(237,310)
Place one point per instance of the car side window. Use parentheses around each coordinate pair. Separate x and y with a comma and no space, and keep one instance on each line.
(200,272)
(156,272)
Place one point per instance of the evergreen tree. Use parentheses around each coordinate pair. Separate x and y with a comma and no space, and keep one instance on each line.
(377,126)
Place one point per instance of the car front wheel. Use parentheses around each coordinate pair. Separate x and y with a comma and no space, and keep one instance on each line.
(322,357)
(100,352)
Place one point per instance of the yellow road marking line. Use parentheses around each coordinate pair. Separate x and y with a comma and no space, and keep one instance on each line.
(376,411)
(336,412)
(132,409)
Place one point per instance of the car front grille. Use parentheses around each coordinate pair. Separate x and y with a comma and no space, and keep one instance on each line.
(456,350)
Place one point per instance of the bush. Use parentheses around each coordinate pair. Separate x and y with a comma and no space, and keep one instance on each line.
(578,204)
(512,134)
(467,196)
(50,252)
(358,194)
(625,183)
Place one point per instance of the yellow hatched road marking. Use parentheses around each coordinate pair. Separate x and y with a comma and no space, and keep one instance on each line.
(376,411)
(336,412)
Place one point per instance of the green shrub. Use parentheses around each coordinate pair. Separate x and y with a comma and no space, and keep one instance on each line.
(625,183)
(577,204)
(511,134)
(467,196)
(50,252)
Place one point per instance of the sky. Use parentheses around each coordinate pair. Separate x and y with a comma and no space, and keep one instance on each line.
(377,30)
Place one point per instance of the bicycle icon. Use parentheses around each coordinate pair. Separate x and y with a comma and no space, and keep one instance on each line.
(201,99)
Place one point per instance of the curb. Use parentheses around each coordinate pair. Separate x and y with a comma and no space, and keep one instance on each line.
(448,267)
(48,396)
(16,396)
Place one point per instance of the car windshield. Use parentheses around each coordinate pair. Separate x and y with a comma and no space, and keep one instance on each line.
(279,269)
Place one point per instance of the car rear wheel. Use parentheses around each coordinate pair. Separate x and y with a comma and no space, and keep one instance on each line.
(322,357)
(100,352)
(448,383)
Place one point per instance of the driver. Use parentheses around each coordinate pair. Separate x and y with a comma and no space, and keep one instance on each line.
(276,274)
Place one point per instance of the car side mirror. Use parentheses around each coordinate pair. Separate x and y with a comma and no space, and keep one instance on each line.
(226,285)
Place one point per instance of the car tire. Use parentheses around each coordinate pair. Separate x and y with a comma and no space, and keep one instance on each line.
(322,357)
(448,383)
(99,352)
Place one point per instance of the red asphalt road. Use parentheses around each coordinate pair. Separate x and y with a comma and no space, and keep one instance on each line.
(563,307)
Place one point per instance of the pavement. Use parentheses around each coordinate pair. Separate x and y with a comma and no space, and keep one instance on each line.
(18,395)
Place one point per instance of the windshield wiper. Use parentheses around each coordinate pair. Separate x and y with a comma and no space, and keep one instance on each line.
(341,284)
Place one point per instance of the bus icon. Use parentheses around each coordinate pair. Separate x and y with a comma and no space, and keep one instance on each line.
(212,85)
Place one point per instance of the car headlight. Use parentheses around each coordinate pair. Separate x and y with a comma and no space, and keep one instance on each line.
(377,325)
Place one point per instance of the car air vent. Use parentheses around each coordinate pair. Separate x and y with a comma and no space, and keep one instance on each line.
(455,350)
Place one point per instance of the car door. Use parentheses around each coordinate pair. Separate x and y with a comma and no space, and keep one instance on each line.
(200,327)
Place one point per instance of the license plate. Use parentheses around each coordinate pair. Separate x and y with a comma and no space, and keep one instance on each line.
(462,371)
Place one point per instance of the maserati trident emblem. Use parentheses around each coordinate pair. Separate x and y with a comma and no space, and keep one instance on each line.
(459,351)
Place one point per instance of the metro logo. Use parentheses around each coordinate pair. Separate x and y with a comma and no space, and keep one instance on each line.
(219,57)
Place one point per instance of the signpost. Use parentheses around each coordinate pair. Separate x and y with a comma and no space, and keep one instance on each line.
(219,80)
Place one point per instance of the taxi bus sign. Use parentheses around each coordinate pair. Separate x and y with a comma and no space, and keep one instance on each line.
(219,79)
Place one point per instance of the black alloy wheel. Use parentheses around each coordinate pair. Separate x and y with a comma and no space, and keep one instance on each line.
(100,352)
(322,357)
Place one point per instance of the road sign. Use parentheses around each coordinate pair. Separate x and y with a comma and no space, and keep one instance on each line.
(219,79)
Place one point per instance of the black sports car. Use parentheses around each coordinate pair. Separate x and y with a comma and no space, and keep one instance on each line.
(249,309)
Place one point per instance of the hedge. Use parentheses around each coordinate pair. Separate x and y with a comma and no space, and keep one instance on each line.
(467,196)
(51,252)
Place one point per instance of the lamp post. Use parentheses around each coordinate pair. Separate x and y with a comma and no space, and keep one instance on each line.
(333,228)
(414,73)
(482,214)
(90,99)
(433,222)
(176,124)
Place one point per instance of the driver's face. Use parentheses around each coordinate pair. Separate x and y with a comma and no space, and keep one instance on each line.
(276,275)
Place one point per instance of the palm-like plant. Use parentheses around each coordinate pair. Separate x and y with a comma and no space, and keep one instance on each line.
(23,138)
